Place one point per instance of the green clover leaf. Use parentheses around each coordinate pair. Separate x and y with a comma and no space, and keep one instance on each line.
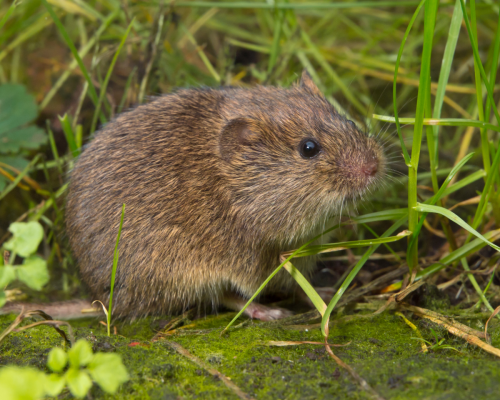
(108,371)
(79,382)
(26,238)
(80,354)
(33,272)
(57,359)
(7,275)
(18,383)
(54,384)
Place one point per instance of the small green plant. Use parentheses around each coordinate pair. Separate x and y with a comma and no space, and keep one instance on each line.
(438,343)
(18,109)
(26,237)
(116,254)
(75,369)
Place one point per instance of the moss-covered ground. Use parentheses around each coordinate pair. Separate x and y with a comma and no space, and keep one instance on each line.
(381,349)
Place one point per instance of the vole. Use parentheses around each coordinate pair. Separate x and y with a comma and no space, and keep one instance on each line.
(217,183)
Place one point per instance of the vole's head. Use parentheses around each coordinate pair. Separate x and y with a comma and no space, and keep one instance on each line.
(291,160)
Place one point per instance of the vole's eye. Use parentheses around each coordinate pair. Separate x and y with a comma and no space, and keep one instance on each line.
(309,148)
(351,122)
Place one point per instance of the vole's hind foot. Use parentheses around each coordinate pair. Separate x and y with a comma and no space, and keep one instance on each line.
(255,310)
(264,313)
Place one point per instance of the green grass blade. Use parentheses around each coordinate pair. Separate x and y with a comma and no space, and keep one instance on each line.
(306,287)
(329,247)
(479,91)
(74,51)
(477,59)
(352,275)
(464,182)
(70,135)
(275,48)
(53,147)
(385,215)
(201,53)
(126,89)
(49,203)
(331,73)
(481,208)
(463,251)
(394,94)
(249,46)
(439,173)
(295,6)
(444,190)
(444,73)
(26,34)
(9,12)
(83,52)
(113,271)
(396,256)
(424,87)
(442,122)
(455,218)
(494,67)
(263,285)
(448,179)
(18,178)
(314,75)
(104,86)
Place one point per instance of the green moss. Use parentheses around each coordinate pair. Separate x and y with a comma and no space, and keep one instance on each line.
(381,351)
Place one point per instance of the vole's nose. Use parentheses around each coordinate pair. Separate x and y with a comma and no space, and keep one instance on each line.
(370,168)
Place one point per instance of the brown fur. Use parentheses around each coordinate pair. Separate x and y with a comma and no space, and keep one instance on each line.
(215,189)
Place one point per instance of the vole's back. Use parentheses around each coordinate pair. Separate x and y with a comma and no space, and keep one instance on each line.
(205,214)
(156,159)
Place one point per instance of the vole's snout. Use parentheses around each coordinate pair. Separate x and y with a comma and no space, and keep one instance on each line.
(370,169)
(359,169)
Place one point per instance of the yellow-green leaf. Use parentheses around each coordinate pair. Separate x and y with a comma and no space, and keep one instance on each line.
(79,382)
(80,354)
(57,359)
(108,371)
(26,237)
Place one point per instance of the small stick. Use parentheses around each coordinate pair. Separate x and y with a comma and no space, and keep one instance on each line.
(283,343)
(497,310)
(397,297)
(415,329)
(54,324)
(184,352)
(469,338)
(364,385)
(461,276)
(49,321)
(174,323)
(432,314)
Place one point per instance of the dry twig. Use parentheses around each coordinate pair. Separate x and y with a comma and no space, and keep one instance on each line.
(364,385)
(455,328)
(48,321)
(184,352)
(497,310)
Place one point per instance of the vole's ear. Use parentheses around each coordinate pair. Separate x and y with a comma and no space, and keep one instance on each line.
(237,134)
(306,82)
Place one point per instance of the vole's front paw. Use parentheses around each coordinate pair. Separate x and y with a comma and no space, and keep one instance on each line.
(258,311)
